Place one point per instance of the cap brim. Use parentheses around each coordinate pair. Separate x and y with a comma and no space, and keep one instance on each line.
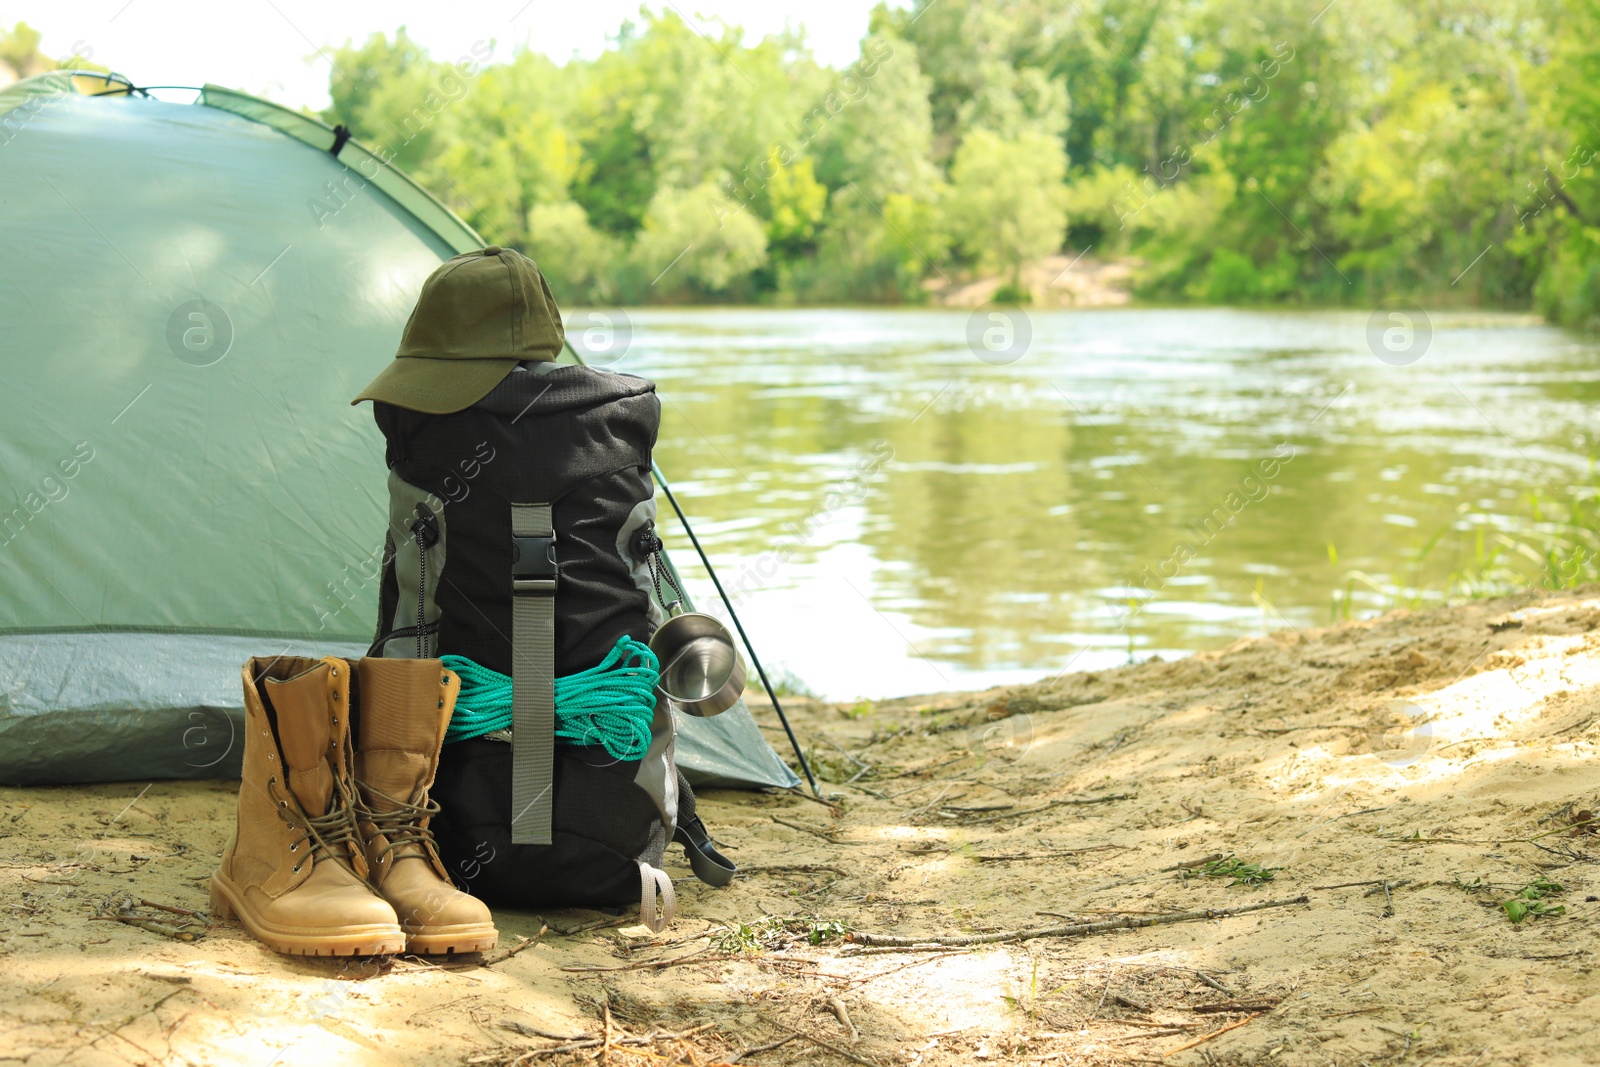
(436,386)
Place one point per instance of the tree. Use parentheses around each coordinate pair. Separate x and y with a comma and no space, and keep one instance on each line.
(1007,202)
(698,238)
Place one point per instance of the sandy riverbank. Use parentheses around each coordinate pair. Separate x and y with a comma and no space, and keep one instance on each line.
(1423,750)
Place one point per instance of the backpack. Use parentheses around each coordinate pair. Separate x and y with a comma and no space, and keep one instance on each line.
(521,536)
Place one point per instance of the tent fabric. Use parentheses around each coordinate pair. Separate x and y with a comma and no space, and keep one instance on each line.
(191,294)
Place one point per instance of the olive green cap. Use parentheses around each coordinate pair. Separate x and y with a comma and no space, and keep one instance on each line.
(479,315)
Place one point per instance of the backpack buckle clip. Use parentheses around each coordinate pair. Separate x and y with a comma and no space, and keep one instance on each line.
(533,565)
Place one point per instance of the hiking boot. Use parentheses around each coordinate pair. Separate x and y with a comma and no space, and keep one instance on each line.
(403,708)
(294,872)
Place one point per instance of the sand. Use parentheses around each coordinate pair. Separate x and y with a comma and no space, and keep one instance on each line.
(1423,752)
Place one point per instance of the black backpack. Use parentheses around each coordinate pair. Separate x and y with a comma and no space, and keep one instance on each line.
(522,536)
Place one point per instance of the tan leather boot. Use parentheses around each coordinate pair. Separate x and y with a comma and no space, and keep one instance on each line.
(403,708)
(294,872)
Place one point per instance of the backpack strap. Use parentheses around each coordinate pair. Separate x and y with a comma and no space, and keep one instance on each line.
(534,576)
(652,880)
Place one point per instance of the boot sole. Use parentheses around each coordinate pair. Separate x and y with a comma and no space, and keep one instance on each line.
(444,940)
(373,939)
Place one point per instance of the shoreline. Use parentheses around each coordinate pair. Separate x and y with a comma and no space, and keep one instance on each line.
(1404,774)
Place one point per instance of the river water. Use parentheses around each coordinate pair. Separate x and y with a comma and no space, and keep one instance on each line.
(895,515)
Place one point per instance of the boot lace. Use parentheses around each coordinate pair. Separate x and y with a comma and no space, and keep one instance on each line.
(403,824)
(332,835)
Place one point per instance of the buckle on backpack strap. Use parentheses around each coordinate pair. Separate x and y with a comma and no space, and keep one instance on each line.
(533,565)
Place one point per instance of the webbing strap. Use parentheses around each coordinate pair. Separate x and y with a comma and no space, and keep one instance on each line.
(533,668)
(651,880)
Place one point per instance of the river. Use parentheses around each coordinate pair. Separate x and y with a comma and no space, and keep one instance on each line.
(896,515)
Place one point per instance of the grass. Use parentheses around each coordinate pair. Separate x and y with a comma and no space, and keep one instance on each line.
(1530,900)
(1242,873)
(1554,547)
(772,932)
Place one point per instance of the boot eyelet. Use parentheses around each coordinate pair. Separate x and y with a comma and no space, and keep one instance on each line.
(297,867)
(336,722)
(336,697)
(272,779)
(441,703)
(296,846)
(333,671)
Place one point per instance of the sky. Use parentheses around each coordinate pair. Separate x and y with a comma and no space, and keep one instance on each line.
(270,47)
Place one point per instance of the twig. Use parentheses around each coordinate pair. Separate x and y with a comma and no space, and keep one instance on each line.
(1045,855)
(824,834)
(1200,861)
(699,955)
(533,1031)
(1350,885)
(836,1006)
(1212,1034)
(164,929)
(830,805)
(616,1044)
(605,1035)
(1069,802)
(1264,1004)
(1069,930)
(857,982)
(170,908)
(526,942)
(792,868)
(1213,983)
(839,1050)
(763,1048)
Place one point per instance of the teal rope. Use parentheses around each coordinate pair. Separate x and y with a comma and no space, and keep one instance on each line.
(610,704)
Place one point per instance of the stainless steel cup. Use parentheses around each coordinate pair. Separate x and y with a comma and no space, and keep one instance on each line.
(701,670)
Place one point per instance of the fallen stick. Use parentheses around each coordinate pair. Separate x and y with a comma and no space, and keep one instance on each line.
(1068,930)
(1067,803)
(824,834)
(1212,1034)
(1212,982)
(164,929)
(842,1013)
(697,956)
(1044,855)
(1198,862)
(170,908)
(838,1050)
(1235,1006)
(763,1048)
(616,1044)
(527,942)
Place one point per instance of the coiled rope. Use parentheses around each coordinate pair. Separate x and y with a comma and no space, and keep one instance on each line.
(610,704)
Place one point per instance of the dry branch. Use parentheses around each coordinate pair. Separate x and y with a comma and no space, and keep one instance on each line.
(1067,803)
(1067,930)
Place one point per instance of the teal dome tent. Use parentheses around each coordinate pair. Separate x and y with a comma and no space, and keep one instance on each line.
(191,293)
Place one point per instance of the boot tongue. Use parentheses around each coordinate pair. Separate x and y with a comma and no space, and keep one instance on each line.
(307,735)
(401,728)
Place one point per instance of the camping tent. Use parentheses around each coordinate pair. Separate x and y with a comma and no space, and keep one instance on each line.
(190,294)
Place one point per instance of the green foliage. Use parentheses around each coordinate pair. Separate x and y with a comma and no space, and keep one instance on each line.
(771,932)
(1244,153)
(1242,873)
(1530,901)
(1007,202)
(698,239)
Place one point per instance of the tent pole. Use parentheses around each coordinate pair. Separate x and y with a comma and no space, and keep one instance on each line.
(754,659)
(772,695)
